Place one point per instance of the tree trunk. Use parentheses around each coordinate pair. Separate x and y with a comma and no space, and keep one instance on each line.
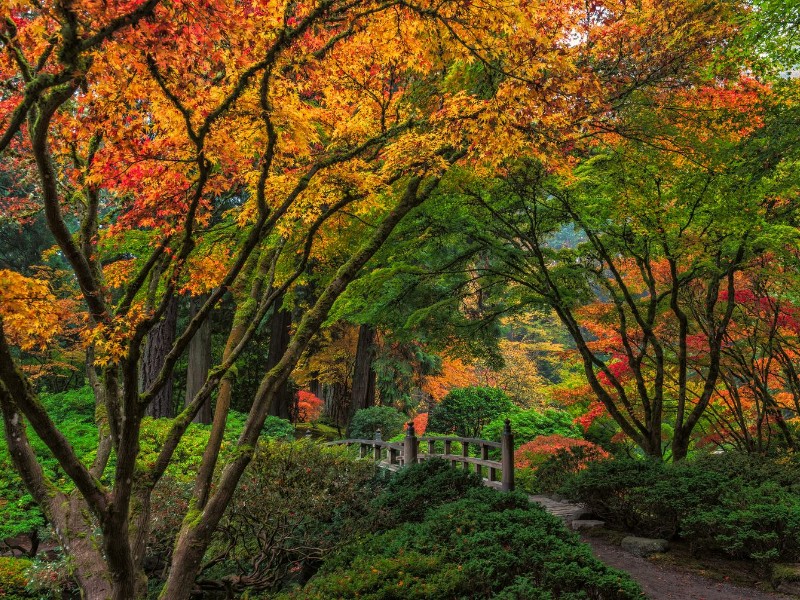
(279,334)
(199,360)
(363,389)
(159,343)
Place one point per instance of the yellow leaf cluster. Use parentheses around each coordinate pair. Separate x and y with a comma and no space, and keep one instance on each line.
(29,310)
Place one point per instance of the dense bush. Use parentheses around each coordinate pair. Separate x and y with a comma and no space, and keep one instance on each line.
(296,502)
(13,578)
(712,503)
(545,463)
(527,425)
(468,542)
(411,492)
(276,428)
(466,411)
(367,421)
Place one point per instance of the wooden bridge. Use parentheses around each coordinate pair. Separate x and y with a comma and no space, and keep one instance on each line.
(394,455)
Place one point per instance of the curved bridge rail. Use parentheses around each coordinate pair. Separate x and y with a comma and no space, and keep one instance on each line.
(498,474)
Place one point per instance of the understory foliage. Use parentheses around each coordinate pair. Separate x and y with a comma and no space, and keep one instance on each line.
(22,520)
(738,505)
(448,536)
(297,503)
(466,411)
(527,425)
(367,421)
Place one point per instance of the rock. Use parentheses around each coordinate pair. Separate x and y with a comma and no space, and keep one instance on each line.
(786,578)
(586,524)
(644,546)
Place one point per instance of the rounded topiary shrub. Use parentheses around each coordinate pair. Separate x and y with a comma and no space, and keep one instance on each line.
(466,411)
(527,425)
(367,421)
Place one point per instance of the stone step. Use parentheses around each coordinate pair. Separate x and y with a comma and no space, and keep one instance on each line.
(567,511)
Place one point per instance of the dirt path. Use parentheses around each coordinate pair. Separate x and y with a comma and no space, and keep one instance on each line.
(661,582)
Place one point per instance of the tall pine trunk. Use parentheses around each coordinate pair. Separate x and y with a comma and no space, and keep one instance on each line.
(199,360)
(279,334)
(159,343)
(362,394)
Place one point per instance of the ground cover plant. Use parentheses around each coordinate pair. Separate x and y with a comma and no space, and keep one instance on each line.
(738,505)
(440,533)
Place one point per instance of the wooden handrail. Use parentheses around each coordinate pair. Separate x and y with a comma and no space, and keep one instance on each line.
(475,441)
(407,452)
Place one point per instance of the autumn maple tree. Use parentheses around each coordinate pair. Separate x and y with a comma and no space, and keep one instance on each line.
(255,149)
(664,215)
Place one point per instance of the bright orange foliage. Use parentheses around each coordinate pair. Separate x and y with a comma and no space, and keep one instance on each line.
(309,407)
(531,454)
(420,423)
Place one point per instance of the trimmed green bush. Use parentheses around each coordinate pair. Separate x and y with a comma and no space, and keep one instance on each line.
(466,411)
(411,492)
(463,540)
(530,424)
(714,503)
(366,421)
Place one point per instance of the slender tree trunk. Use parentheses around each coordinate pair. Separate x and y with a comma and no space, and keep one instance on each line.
(202,519)
(336,400)
(315,387)
(159,343)
(279,334)
(199,361)
(362,394)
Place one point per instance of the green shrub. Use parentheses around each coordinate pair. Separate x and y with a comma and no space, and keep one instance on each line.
(466,411)
(13,578)
(644,496)
(408,575)
(367,421)
(296,502)
(558,468)
(529,424)
(754,469)
(716,503)
(411,492)
(277,429)
(480,544)
(759,522)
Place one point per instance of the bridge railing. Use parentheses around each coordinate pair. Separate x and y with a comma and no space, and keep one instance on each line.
(495,473)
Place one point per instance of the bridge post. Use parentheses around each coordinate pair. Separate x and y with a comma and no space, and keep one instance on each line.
(376,449)
(410,446)
(507,451)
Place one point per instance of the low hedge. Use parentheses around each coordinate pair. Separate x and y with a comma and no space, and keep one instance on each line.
(451,537)
(741,506)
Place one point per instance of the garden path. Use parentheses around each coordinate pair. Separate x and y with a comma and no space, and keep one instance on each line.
(658,581)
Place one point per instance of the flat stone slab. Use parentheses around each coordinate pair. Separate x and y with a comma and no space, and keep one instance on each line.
(563,510)
(586,524)
(644,546)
